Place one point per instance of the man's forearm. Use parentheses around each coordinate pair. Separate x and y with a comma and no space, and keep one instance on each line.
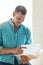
(7,50)
(11,50)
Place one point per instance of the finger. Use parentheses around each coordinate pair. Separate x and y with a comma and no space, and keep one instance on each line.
(26,58)
(20,51)
(23,60)
(24,47)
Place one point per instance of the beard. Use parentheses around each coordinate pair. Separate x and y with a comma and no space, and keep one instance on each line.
(17,24)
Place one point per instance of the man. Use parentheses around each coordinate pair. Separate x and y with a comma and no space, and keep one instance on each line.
(13,34)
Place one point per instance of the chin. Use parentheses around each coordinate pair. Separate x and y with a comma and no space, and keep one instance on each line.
(17,24)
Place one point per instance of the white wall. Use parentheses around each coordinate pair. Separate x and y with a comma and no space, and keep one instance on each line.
(38,27)
(7,7)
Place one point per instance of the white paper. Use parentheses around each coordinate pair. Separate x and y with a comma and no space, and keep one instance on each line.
(33,49)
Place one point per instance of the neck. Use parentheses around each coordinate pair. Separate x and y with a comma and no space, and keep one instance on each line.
(16,27)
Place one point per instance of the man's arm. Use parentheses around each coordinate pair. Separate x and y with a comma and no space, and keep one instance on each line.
(25,58)
(11,50)
(28,37)
(7,50)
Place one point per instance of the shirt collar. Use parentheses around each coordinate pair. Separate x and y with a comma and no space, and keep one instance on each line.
(12,24)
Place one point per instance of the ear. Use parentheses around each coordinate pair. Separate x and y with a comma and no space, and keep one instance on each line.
(13,14)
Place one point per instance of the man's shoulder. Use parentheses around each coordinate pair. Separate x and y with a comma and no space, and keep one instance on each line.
(3,25)
(25,28)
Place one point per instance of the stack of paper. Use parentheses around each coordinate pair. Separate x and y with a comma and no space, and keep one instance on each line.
(32,49)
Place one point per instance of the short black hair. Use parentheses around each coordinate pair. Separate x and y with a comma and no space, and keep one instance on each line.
(21,9)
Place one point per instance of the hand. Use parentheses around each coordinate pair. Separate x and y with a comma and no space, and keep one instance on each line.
(25,59)
(18,50)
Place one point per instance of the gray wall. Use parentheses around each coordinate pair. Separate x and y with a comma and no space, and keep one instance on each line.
(38,27)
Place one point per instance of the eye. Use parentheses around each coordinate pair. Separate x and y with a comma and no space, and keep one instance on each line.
(18,18)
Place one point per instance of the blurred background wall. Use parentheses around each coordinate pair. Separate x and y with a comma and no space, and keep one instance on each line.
(38,27)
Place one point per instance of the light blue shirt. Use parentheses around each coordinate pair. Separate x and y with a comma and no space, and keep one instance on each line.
(10,38)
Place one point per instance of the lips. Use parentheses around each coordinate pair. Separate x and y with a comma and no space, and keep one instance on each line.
(17,24)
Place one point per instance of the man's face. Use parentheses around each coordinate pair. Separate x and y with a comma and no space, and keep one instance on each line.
(18,18)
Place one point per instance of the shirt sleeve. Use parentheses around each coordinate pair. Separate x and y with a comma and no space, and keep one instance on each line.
(28,37)
(1,42)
